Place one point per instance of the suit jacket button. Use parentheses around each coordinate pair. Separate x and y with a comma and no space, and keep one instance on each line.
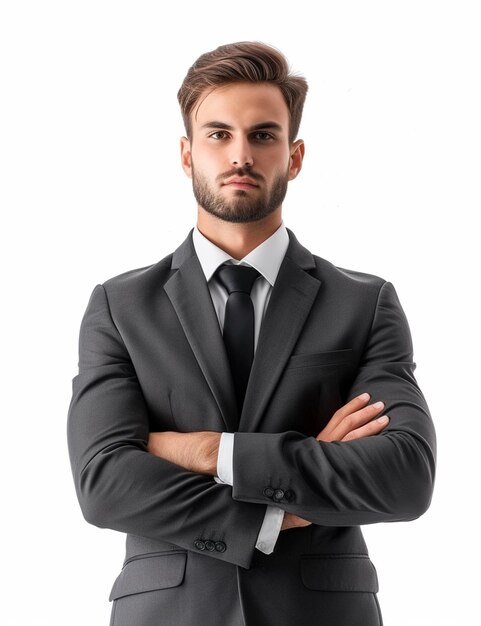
(209,545)
(278,495)
(268,492)
(220,546)
(289,495)
(199,544)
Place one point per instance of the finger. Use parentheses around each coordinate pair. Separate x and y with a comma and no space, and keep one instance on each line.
(373,427)
(293,521)
(352,406)
(355,420)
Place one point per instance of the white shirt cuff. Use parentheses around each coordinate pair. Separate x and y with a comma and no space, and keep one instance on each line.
(270,529)
(225,459)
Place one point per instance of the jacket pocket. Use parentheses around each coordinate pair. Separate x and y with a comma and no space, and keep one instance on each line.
(334,357)
(150,572)
(339,573)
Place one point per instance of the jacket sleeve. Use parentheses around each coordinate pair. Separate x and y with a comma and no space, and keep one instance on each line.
(387,477)
(119,484)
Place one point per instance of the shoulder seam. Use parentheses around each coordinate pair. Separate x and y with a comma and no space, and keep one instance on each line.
(109,310)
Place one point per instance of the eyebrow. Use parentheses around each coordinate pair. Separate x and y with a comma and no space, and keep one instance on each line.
(261,126)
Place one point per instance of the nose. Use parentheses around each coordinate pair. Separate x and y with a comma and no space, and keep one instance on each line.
(241,155)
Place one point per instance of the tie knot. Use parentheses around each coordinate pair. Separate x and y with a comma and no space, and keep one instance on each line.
(237,277)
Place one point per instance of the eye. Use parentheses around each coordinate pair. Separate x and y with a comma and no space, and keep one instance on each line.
(219,134)
(262,135)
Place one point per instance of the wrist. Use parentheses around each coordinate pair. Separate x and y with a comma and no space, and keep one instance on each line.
(210,452)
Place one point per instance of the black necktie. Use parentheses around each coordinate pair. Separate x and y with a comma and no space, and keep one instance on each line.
(239,323)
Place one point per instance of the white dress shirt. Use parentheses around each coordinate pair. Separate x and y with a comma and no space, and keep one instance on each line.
(266,259)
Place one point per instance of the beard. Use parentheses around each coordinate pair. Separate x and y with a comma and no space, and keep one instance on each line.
(241,208)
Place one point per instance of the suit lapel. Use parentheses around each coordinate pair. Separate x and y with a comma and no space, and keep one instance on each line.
(190,297)
(291,300)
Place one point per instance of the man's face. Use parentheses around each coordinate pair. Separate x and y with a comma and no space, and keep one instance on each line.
(239,157)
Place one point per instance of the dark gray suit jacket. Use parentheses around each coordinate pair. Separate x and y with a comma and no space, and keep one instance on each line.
(152,358)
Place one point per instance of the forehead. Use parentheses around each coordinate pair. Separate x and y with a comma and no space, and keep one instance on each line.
(242,104)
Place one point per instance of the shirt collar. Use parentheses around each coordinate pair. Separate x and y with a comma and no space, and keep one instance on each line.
(266,258)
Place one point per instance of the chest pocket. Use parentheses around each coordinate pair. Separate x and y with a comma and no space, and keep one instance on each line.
(318,359)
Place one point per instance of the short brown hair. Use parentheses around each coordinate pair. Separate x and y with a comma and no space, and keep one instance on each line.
(244,61)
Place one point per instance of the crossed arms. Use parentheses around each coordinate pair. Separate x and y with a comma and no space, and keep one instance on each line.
(342,477)
(198,451)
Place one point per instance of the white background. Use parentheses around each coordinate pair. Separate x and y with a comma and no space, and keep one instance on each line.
(91,186)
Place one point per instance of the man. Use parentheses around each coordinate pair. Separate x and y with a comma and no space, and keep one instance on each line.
(243,406)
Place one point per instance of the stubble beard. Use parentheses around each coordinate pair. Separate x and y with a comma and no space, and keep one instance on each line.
(241,208)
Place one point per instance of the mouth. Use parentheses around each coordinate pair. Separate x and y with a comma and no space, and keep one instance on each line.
(241,183)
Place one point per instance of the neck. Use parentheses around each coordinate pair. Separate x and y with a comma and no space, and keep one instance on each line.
(237,239)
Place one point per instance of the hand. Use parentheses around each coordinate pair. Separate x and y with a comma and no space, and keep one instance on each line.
(355,420)
(196,452)
(293,521)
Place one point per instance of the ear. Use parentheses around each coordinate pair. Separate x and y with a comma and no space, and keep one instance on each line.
(296,158)
(185,155)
